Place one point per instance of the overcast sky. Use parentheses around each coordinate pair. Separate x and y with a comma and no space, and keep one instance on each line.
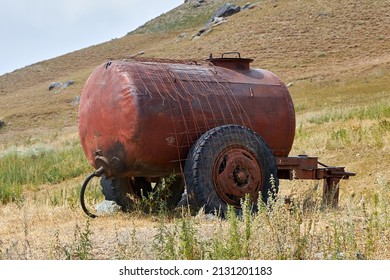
(36,30)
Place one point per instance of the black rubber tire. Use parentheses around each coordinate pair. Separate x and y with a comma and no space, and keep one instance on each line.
(173,193)
(140,186)
(199,166)
(120,189)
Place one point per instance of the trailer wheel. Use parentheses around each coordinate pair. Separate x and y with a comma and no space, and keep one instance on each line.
(225,164)
(120,190)
(172,191)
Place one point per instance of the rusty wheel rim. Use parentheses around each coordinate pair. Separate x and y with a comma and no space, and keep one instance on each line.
(236,172)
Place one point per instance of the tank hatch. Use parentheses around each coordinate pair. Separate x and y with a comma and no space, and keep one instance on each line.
(227,61)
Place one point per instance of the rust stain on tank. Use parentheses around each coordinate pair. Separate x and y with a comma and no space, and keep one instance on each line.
(144,115)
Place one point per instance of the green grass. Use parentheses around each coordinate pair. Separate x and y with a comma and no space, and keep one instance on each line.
(36,167)
(378,110)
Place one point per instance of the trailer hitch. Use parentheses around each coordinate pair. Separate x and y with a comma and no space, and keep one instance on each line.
(97,173)
(304,167)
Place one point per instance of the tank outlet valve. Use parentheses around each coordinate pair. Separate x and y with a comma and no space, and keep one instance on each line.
(102,162)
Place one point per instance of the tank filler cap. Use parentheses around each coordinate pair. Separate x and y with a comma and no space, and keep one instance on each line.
(234,63)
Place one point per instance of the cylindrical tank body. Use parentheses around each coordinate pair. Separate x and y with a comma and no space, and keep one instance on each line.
(142,116)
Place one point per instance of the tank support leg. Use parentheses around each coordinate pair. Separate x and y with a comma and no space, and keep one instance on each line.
(330,196)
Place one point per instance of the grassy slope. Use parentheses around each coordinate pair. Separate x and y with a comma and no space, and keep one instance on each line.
(335,53)
(295,39)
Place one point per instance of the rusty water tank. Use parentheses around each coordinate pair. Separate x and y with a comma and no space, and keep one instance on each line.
(139,117)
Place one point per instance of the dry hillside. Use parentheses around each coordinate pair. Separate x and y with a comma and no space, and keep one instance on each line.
(295,39)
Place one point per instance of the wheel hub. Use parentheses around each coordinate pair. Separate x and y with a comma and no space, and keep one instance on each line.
(241,176)
(236,173)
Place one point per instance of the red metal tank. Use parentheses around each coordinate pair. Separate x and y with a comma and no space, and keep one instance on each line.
(139,118)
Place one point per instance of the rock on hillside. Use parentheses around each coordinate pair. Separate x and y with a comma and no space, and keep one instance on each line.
(219,16)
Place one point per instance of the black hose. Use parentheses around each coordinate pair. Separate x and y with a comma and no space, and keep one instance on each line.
(97,173)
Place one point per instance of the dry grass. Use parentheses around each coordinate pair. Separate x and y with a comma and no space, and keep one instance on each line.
(359,229)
